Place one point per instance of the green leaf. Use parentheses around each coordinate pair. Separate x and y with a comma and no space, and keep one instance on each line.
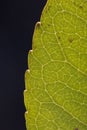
(56,81)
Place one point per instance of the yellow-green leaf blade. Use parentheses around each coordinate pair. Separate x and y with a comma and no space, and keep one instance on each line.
(56,82)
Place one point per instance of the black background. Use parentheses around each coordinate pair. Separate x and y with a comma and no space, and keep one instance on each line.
(17,21)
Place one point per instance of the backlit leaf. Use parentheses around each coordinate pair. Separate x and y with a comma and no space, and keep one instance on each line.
(56,79)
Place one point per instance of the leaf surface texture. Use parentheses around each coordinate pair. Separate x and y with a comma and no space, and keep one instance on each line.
(56,79)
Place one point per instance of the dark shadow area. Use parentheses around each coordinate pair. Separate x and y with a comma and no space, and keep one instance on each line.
(17,21)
